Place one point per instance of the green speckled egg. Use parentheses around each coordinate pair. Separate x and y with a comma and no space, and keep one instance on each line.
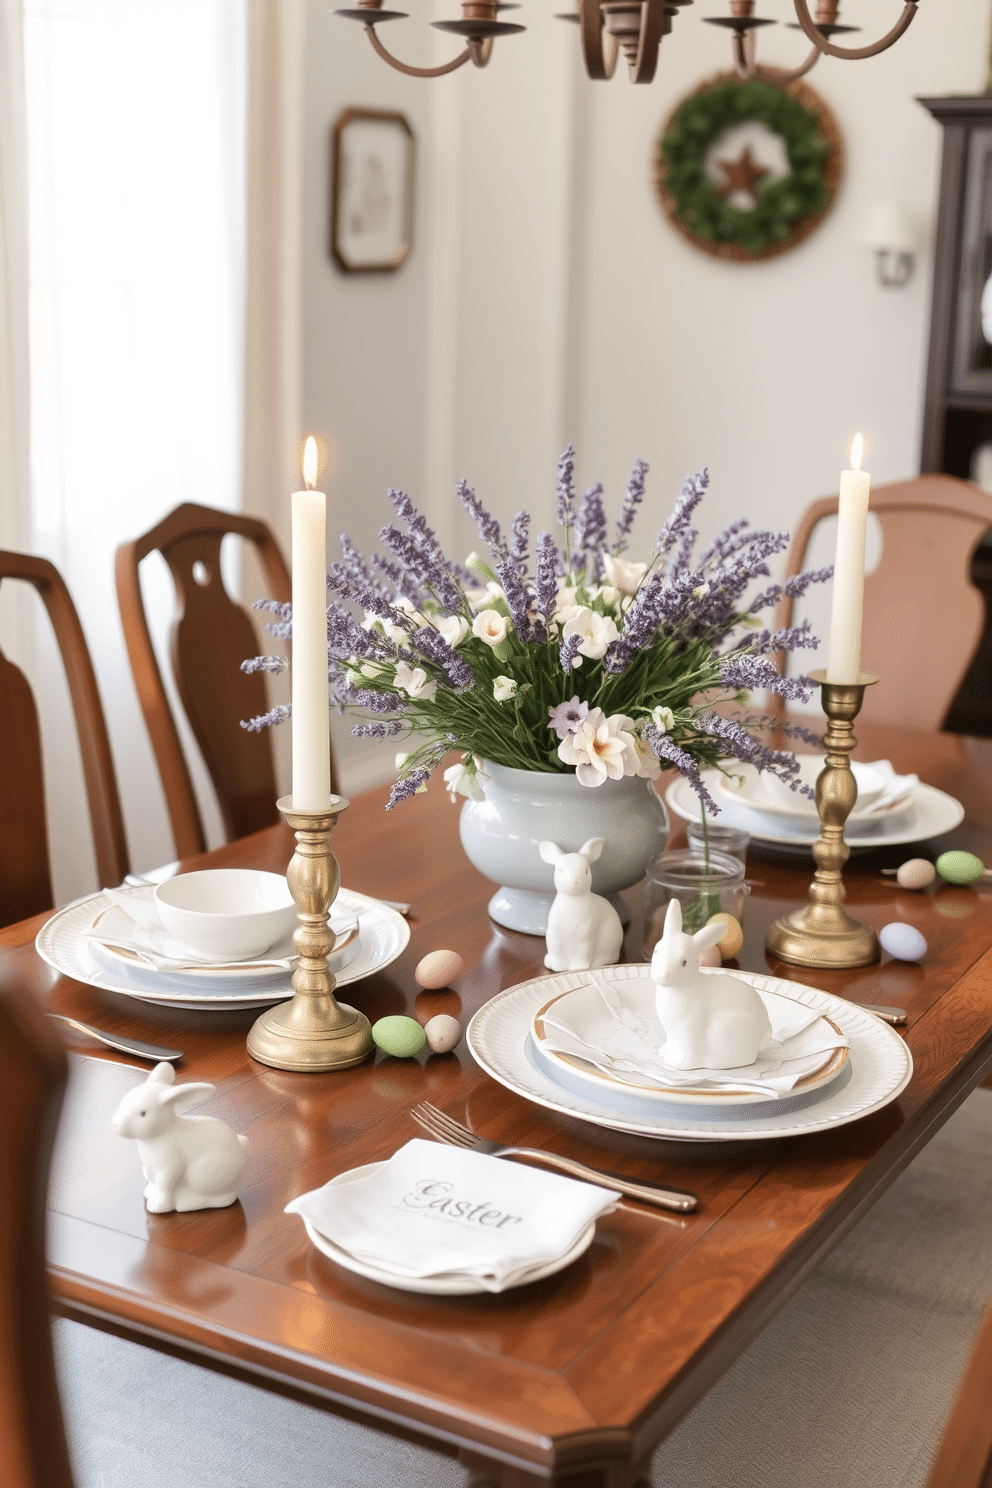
(960,867)
(403,1038)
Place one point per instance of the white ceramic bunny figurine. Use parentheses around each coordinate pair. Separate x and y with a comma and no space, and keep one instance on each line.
(584,929)
(712,1020)
(193,1162)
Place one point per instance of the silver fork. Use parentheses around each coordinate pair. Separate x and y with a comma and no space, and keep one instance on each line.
(446,1129)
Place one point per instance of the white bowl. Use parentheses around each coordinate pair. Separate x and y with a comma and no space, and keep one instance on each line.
(231,913)
(766,791)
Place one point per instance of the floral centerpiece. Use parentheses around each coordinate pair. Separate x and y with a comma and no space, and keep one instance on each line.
(577,659)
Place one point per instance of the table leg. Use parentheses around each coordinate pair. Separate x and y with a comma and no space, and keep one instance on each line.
(484,1473)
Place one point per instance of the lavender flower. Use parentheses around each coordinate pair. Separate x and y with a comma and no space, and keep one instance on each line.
(265,664)
(691,494)
(666,748)
(518,540)
(592,532)
(568,654)
(278,714)
(517,599)
(565,489)
(546,583)
(566,718)
(455,668)
(489,528)
(407,786)
(387,730)
(631,501)
(748,671)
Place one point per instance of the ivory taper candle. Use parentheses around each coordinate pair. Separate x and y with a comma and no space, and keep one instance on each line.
(311,729)
(844,655)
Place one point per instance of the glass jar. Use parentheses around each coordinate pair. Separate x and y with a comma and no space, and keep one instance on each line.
(729,840)
(702,891)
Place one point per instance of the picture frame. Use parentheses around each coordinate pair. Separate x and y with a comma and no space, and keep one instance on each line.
(372,185)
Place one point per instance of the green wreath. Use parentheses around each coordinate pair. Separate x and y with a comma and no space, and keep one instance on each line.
(787,208)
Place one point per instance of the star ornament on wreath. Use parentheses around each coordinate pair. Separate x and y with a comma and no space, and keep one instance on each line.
(747,168)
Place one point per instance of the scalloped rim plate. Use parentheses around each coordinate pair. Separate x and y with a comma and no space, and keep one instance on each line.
(880,1062)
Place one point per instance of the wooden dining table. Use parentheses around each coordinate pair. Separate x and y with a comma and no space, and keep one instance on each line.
(574,1379)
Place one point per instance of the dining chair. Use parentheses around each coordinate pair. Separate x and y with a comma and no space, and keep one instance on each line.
(210,636)
(25,874)
(33,1075)
(964,1459)
(923,617)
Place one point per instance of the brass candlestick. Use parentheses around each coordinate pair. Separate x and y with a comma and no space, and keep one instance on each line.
(314,1031)
(822,933)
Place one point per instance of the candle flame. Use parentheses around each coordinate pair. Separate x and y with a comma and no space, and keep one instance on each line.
(857,451)
(310,463)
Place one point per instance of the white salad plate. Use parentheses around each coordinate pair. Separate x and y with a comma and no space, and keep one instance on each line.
(447,1284)
(878,1069)
(575,1073)
(929,813)
(760,791)
(61,942)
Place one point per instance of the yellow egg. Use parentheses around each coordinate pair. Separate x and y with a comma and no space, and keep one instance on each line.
(438,969)
(733,937)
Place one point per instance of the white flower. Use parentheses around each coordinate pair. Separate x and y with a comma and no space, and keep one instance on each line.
(465,779)
(600,749)
(374,669)
(504,688)
(610,596)
(663,719)
(565,599)
(473,561)
(402,603)
(648,764)
(396,633)
(401,760)
(414,681)
(490,626)
(597,632)
(624,575)
(452,628)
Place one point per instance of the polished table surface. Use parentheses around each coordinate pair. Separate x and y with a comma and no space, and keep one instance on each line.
(584,1372)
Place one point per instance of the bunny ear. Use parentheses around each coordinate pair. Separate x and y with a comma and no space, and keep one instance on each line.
(187,1095)
(550,851)
(162,1074)
(591,850)
(710,935)
(673,918)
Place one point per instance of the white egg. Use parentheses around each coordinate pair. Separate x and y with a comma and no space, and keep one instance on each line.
(916,873)
(903,942)
(443,1033)
(438,969)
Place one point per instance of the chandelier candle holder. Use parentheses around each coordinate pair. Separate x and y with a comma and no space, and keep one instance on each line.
(314,1032)
(635,28)
(822,933)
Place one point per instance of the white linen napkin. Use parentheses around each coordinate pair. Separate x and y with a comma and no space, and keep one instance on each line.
(631,1049)
(136,927)
(434,1210)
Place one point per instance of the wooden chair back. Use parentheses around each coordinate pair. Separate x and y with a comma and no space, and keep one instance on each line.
(33,1074)
(25,876)
(923,618)
(964,1457)
(210,636)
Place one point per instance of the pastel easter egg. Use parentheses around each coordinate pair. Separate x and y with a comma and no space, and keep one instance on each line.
(401,1037)
(443,1032)
(733,936)
(916,873)
(960,867)
(711,956)
(903,942)
(438,969)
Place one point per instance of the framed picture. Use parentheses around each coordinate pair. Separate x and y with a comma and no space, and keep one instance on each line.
(371,190)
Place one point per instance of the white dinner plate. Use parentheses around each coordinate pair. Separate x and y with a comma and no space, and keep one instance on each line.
(447,1284)
(880,1066)
(60,942)
(931,813)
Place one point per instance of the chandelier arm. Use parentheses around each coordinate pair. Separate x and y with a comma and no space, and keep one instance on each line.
(853,54)
(481,51)
(642,69)
(746,67)
(422,72)
(600,57)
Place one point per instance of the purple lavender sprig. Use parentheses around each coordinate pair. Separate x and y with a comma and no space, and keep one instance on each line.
(489,529)
(565,490)
(633,497)
(275,715)
(744,670)
(666,748)
(591,535)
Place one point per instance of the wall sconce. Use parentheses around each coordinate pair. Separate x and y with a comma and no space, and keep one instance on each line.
(890,236)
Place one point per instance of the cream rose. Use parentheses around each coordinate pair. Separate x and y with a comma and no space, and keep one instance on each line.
(490,626)
(597,632)
(504,688)
(622,574)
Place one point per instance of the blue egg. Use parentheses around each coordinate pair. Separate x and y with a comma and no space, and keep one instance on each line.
(903,942)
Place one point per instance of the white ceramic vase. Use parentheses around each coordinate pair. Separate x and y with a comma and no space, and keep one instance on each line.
(522,808)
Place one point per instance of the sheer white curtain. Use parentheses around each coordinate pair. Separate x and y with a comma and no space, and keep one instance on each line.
(13,312)
(136,146)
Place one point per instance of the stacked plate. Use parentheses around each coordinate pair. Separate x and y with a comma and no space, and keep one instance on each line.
(846,1063)
(891,809)
(84,941)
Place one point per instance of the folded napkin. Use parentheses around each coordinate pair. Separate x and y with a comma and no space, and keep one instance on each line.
(631,1046)
(896,787)
(135,926)
(433,1210)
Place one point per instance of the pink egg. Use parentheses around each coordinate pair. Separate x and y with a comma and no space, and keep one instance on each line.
(438,969)
(710,956)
